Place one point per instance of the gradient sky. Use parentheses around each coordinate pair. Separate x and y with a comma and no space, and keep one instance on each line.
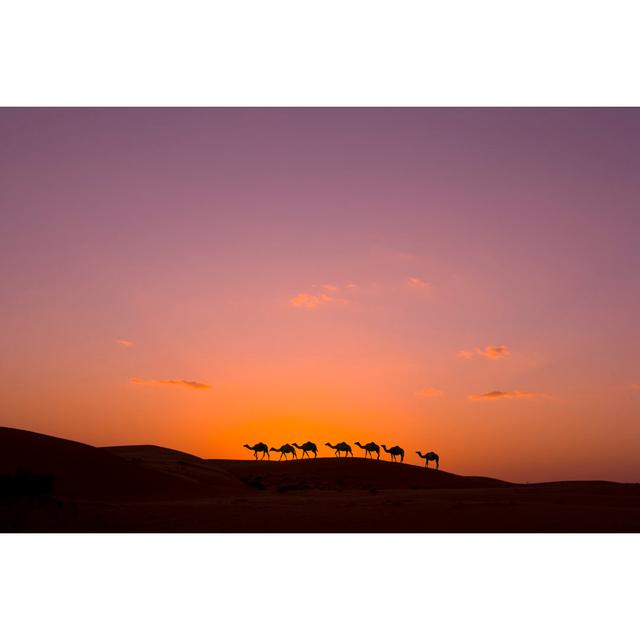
(203,278)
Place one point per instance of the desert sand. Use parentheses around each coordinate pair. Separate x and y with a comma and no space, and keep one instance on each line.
(49,484)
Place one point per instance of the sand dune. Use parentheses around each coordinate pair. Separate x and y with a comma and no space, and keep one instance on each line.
(147,488)
(83,471)
(330,473)
(348,474)
(179,464)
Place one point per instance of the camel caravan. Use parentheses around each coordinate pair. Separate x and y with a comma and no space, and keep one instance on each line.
(396,453)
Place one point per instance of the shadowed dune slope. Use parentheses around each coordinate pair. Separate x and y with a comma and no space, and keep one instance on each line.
(83,471)
(348,473)
(179,464)
(154,489)
(319,474)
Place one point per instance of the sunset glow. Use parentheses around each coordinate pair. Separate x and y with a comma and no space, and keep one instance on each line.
(464,281)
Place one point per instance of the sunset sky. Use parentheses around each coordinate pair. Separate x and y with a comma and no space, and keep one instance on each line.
(464,281)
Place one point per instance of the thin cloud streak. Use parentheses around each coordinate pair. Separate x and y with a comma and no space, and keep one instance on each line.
(327,293)
(413,282)
(490,352)
(320,295)
(124,343)
(505,395)
(310,301)
(189,384)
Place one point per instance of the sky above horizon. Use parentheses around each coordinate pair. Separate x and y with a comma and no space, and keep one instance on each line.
(459,280)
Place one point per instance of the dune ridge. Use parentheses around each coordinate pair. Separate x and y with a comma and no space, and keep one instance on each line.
(148,488)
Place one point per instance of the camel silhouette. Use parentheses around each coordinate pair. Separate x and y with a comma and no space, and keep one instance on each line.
(306,447)
(341,446)
(395,451)
(284,450)
(369,449)
(260,446)
(431,455)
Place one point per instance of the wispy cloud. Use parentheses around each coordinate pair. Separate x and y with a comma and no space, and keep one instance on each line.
(494,352)
(322,294)
(505,395)
(429,392)
(310,300)
(635,386)
(124,343)
(490,352)
(189,384)
(413,282)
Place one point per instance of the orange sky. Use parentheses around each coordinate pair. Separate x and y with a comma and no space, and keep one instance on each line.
(459,281)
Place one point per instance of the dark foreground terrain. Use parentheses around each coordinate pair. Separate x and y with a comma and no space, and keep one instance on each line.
(54,485)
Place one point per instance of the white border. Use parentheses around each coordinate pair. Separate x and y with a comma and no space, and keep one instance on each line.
(319,586)
(334,52)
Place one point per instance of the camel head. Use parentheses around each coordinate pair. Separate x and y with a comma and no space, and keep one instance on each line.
(247,446)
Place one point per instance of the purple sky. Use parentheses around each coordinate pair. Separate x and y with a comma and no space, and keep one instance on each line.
(191,232)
